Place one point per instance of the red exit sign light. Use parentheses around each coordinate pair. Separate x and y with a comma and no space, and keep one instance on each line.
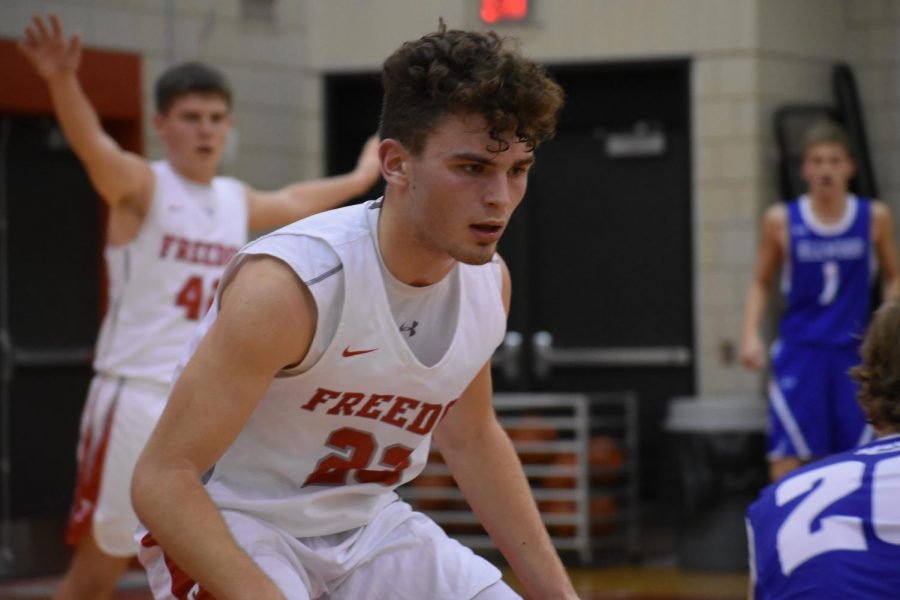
(497,11)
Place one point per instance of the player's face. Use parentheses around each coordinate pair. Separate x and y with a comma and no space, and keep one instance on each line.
(195,130)
(462,195)
(827,169)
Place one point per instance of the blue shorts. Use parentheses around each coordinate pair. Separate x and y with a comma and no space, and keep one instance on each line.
(813,408)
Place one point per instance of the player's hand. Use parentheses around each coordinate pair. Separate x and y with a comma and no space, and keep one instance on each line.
(47,49)
(753,352)
(368,165)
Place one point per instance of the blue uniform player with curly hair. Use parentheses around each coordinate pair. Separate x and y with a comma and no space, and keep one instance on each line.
(831,529)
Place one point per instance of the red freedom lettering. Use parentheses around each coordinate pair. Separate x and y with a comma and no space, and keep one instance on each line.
(181,252)
(321,395)
(426,418)
(168,240)
(374,400)
(195,251)
(346,403)
(410,414)
(401,405)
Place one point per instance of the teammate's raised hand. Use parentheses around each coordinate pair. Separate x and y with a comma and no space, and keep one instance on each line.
(46,47)
(368,164)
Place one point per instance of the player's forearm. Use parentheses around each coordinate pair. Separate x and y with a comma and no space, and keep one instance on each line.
(754,309)
(178,512)
(78,119)
(309,197)
(500,496)
(300,200)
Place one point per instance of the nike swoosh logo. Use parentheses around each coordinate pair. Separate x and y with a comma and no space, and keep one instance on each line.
(348,352)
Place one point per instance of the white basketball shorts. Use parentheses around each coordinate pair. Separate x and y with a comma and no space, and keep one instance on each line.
(401,555)
(117,420)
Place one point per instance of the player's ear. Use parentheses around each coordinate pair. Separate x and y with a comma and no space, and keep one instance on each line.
(394,162)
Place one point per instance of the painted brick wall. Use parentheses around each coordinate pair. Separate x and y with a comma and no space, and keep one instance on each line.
(277,98)
(749,57)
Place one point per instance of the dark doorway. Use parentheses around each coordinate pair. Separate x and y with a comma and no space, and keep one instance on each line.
(600,251)
(51,306)
(352,112)
(52,295)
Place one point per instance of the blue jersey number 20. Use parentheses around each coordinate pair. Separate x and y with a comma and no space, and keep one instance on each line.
(796,540)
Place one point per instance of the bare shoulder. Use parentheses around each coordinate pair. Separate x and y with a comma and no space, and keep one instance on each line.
(130,183)
(774,226)
(507,282)
(881,212)
(266,305)
(882,226)
(266,282)
(775,215)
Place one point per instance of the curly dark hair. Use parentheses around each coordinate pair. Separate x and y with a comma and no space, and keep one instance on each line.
(189,78)
(879,373)
(458,72)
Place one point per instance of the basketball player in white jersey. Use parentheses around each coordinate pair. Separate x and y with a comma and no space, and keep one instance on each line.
(340,344)
(173,226)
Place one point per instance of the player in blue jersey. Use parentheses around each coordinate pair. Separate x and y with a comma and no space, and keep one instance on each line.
(832,529)
(826,244)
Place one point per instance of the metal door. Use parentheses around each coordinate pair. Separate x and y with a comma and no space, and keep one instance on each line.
(600,251)
(49,311)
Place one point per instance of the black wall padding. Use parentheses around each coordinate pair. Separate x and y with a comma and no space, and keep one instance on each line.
(850,109)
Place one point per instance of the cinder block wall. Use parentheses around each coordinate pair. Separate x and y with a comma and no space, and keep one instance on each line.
(721,39)
(748,58)
(277,105)
(872,48)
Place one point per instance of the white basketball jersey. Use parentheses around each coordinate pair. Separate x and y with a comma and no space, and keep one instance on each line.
(162,282)
(325,448)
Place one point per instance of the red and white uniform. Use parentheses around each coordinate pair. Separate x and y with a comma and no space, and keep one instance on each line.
(316,465)
(162,283)
(160,286)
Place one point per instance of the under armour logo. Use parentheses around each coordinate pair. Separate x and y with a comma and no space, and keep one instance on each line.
(410,328)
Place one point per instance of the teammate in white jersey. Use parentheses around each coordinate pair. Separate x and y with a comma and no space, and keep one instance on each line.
(305,406)
(173,226)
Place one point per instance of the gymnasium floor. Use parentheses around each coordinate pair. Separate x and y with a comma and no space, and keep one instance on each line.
(653,576)
(614,583)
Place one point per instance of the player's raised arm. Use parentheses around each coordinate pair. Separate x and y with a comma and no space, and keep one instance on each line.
(769,256)
(120,177)
(305,198)
(266,321)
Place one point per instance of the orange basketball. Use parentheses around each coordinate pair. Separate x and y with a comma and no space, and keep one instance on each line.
(427,481)
(533,428)
(561,481)
(559,507)
(607,459)
(604,511)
